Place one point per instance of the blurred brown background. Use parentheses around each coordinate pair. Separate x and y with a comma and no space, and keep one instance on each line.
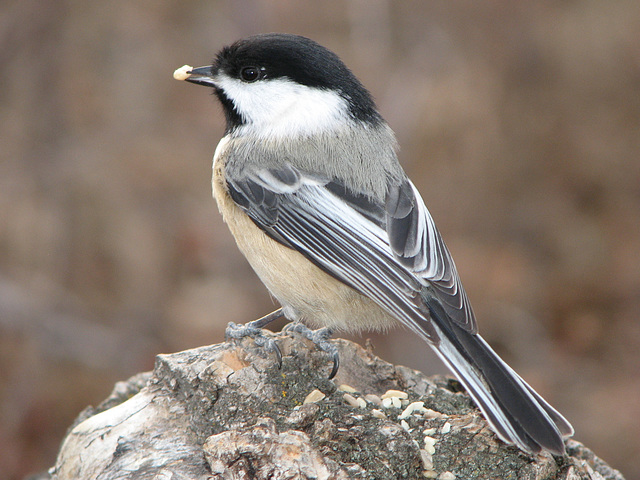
(518,121)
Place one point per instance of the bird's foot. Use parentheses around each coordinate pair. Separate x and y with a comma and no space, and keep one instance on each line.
(235,331)
(320,339)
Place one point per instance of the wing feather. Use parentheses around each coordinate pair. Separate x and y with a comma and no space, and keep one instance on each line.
(418,245)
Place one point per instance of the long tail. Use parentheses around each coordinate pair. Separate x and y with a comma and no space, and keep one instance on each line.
(514,410)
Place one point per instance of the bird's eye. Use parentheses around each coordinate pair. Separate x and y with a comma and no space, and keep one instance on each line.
(250,74)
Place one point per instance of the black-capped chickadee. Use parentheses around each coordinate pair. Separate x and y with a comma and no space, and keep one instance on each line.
(308,180)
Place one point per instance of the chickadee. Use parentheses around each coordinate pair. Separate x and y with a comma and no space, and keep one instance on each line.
(308,180)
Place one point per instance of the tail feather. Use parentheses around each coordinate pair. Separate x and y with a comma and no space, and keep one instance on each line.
(565,428)
(514,410)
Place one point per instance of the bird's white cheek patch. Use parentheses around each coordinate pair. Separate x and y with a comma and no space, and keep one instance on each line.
(282,108)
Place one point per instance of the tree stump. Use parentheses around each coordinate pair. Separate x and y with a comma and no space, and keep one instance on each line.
(228,411)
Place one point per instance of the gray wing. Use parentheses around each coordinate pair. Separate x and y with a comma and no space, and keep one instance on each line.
(389,252)
(418,245)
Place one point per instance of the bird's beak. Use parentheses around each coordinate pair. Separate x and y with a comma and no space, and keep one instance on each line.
(199,76)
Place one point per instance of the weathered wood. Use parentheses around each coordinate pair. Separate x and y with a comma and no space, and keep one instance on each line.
(228,412)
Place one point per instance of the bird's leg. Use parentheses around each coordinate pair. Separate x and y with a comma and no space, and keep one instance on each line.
(254,329)
(320,339)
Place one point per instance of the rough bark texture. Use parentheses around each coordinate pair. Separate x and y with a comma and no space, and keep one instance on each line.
(228,412)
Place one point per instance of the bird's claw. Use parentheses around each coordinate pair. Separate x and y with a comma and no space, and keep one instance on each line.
(236,331)
(320,338)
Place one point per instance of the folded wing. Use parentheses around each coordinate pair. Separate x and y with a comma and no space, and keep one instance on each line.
(387,251)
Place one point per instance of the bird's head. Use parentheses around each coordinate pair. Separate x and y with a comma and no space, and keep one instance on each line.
(281,85)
